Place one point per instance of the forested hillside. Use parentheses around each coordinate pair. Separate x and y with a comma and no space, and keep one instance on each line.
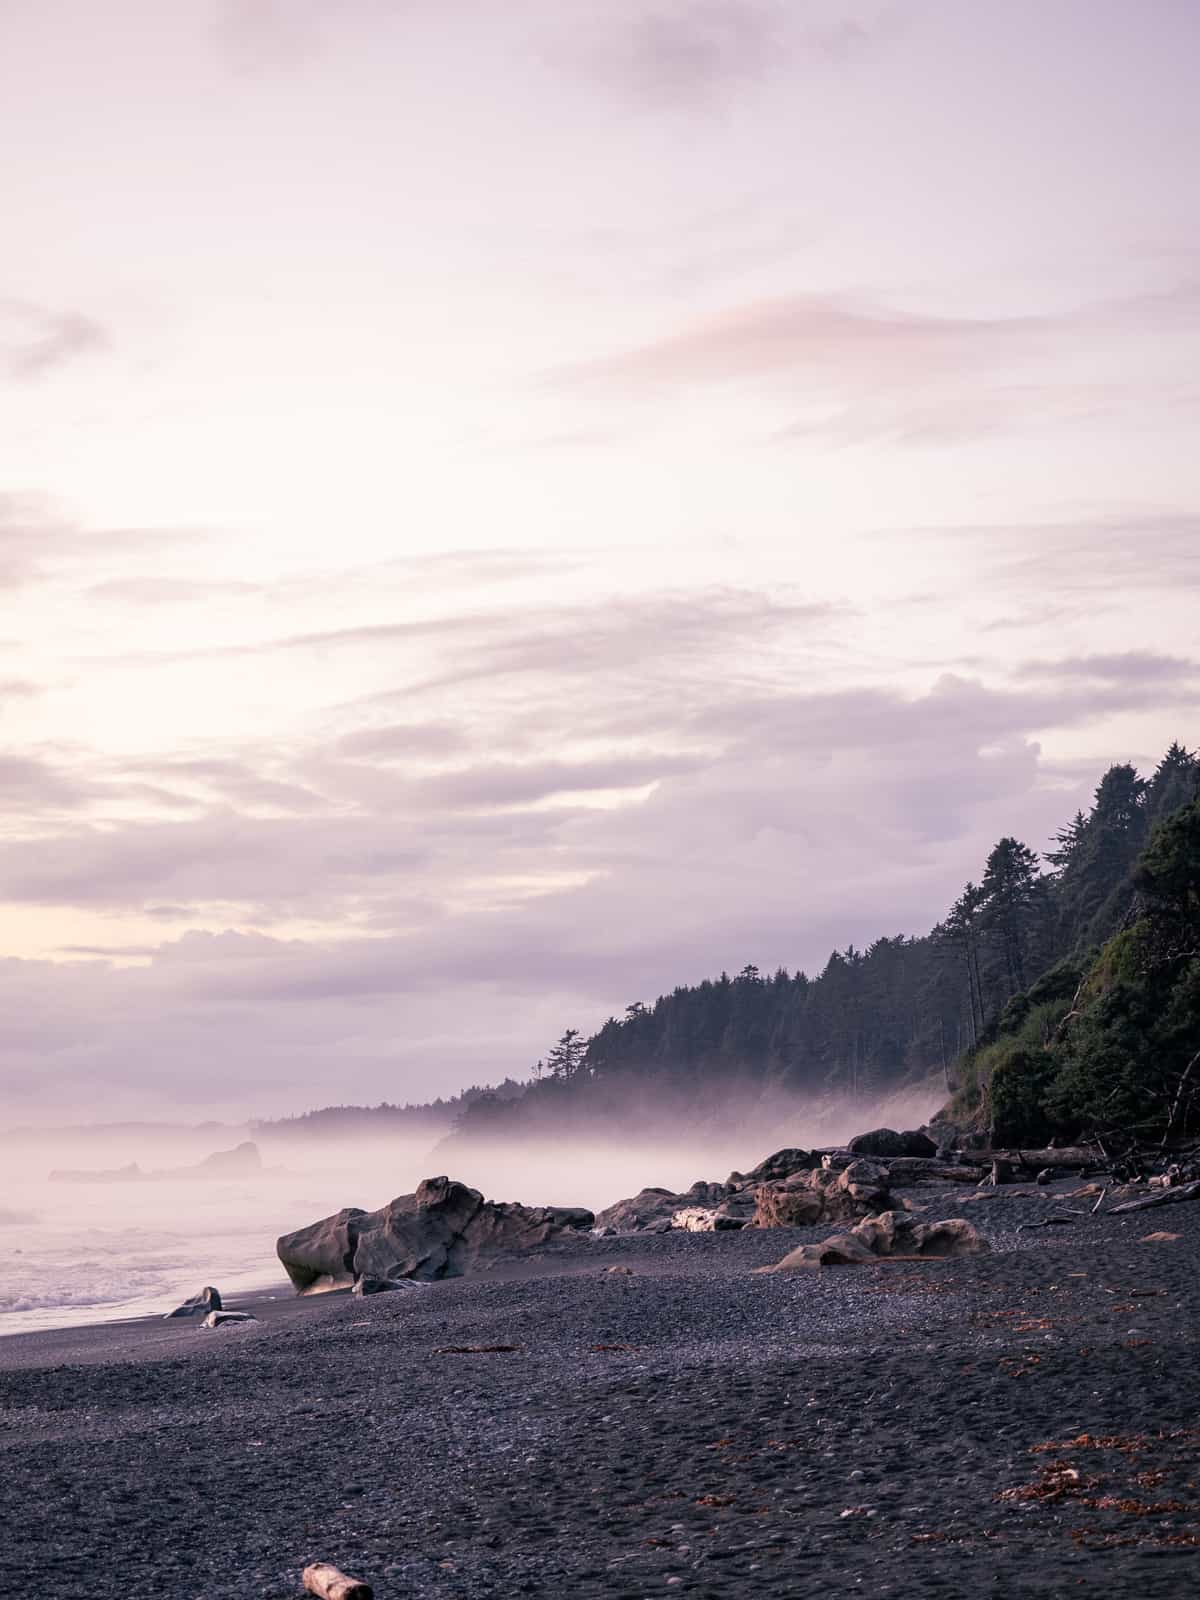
(1009,954)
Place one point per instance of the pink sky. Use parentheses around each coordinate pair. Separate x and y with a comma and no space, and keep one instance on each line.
(507,508)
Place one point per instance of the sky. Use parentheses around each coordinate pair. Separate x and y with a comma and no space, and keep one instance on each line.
(507,508)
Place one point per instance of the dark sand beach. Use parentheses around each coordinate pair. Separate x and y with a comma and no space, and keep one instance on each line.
(1023,1423)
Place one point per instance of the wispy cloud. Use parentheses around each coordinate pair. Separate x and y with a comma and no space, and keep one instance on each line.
(693,54)
(38,542)
(1124,668)
(35,340)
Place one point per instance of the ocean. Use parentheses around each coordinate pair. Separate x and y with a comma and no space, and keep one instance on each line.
(74,1252)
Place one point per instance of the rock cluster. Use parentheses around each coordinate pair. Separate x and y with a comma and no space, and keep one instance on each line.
(790,1189)
(441,1231)
(894,1234)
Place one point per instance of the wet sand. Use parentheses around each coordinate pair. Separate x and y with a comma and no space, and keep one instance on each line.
(1020,1424)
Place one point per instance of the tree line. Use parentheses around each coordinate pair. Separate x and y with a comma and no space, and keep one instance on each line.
(877,1017)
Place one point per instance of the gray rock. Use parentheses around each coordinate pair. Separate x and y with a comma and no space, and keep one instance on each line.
(321,1256)
(207,1299)
(641,1210)
(219,1319)
(887,1142)
(441,1231)
(780,1165)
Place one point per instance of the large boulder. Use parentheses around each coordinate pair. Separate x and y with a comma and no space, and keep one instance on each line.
(441,1231)
(321,1256)
(887,1142)
(891,1234)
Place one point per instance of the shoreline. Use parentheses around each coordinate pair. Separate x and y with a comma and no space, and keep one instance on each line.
(1021,1423)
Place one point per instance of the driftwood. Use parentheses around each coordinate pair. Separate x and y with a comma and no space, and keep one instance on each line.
(1070,1156)
(324,1580)
(1164,1197)
(1045,1223)
(915,1169)
(1100,1200)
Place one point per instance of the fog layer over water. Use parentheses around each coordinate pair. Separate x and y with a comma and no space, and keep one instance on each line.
(75,1252)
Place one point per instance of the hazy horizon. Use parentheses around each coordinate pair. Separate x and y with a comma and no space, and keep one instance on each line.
(509,509)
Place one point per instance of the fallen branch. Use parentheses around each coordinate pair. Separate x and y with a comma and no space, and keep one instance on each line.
(1046,1222)
(1164,1197)
(1100,1200)
(324,1579)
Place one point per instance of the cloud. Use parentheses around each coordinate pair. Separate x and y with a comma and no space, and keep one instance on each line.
(689,54)
(18,689)
(33,786)
(35,340)
(807,331)
(567,640)
(1110,553)
(800,829)
(507,784)
(1126,667)
(402,740)
(171,591)
(39,543)
(862,371)
(553,811)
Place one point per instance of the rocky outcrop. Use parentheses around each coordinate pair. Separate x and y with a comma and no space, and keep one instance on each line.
(441,1231)
(243,1161)
(788,1205)
(652,1210)
(823,1195)
(891,1234)
(781,1165)
(791,1189)
(205,1300)
(886,1142)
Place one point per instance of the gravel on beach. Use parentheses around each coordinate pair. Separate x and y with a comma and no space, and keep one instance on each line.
(1024,1423)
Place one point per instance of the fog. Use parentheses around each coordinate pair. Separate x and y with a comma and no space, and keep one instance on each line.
(76,1251)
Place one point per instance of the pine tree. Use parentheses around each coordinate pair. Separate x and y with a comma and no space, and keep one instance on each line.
(1009,908)
(963,932)
(565,1063)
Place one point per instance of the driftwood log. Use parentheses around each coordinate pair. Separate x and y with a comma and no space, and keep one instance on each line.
(1164,1197)
(1071,1157)
(323,1579)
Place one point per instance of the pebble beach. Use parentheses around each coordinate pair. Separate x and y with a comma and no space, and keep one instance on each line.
(641,1416)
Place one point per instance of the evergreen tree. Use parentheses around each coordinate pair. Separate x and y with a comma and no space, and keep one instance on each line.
(1009,909)
(565,1063)
(962,932)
